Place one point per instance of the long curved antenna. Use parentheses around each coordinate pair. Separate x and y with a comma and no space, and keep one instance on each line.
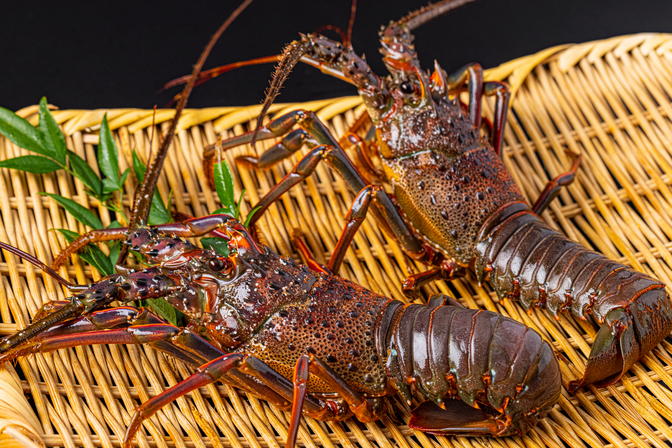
(26,256)
(353,9)
(144,195)
(291,55)
(429,12)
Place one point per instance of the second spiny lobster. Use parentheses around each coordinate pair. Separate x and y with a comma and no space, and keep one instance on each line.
(310,342)
(456,206)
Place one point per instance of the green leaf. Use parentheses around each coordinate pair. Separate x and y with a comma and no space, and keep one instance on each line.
(69,235)
(97,258)
(219,245)
(114,253)
(240,201)
(224,186)
(165,310)
(139,168)
(124,175)
(52,137)
(20,132)
(80,213)
(109,187)
(220,211)
(114,225)
(86,174)
(158,214)
(31,164)
(107,154)
(249,216)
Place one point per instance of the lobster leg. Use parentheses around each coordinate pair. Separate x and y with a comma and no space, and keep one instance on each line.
(473,73)
(458,418)
(448,271)
(363,409)
(289,144)
(501,108)
(552,189)
(353,220)
(303,249)
(329,151)
(214,371)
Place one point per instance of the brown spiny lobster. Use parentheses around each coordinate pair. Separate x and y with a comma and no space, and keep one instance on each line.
(303,340)
(456,206)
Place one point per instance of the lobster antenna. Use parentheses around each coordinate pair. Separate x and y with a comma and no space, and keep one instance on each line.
(429,12)
(207,75)
(353,9)
(26,256)
(291,55)
(144,195)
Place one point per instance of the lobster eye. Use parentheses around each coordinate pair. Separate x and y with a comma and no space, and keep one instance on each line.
(216,264)
(407,87)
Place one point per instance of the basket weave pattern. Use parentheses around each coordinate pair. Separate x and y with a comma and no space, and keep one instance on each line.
(608,100)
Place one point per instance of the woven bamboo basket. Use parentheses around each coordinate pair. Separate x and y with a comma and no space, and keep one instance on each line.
(608,100)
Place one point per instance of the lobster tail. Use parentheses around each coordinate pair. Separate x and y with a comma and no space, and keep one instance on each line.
(625,337)
(527,260)
(484,372)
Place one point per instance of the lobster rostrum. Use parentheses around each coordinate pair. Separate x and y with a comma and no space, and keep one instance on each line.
(305,340)
(456,206)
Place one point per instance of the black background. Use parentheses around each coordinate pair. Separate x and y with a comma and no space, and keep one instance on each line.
(118,54)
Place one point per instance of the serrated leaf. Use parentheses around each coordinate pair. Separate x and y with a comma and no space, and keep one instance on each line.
(165,310)
(219,245)
(31,164)
(107,154)
(20,132)
(86,174)
(224,186)
(80,213)
(52,137)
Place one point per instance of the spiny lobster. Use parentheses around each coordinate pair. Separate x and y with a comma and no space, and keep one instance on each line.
(456,206)
(307,341)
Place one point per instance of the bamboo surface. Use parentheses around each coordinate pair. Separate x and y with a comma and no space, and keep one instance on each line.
(608,100)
